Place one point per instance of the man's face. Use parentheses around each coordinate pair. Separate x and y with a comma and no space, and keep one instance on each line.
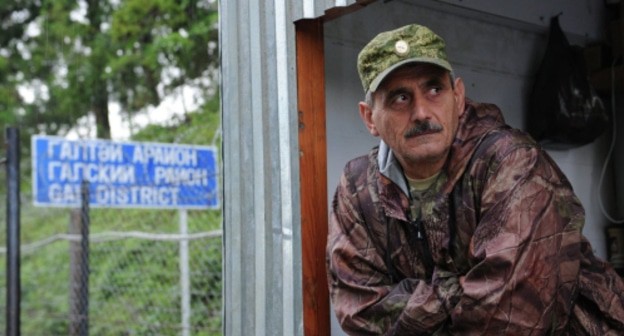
(416,111)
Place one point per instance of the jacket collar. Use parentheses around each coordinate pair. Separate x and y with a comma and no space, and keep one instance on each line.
(390,167)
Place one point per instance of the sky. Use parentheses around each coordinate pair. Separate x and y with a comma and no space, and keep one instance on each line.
(185,99)
(162,114)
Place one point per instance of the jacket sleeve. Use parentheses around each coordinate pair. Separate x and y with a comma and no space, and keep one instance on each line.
(364,298)
(526,249)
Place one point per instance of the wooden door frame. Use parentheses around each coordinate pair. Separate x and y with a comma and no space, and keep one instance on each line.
(313,165)
(313,174)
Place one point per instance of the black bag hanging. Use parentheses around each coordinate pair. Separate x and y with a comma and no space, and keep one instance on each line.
(564,109)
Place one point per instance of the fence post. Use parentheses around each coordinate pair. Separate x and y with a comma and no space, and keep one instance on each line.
(185,282)
(79,267)
(13,232)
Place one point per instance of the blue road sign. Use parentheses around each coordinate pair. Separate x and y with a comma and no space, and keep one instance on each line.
(124,174)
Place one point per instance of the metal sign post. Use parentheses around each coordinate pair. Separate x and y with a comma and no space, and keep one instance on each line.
(79,267)
(185,279)
(13,233)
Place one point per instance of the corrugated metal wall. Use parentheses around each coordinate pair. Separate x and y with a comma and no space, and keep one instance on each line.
(262,249)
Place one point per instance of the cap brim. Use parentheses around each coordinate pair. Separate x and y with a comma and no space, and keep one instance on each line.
(374,85)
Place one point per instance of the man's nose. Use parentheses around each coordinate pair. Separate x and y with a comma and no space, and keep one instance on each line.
(419,111)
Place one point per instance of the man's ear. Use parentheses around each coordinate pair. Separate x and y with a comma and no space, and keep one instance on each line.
(460,96)
(366,113)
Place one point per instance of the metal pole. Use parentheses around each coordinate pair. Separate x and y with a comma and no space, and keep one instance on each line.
(79,294)
(84,233)
(75,273)
(185,282)
(13,227)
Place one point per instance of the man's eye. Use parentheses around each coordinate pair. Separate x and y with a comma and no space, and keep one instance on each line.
(401,98)
(435,90)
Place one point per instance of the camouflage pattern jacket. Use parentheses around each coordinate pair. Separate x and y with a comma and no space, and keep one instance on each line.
(500,250)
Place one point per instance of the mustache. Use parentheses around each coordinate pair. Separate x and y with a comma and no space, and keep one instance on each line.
(422,128)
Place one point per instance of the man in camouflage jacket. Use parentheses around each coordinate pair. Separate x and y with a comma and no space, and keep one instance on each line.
(494,245)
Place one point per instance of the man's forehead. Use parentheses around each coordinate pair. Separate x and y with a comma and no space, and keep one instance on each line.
(413,72)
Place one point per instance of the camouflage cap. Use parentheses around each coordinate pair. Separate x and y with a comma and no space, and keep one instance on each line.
(389,50)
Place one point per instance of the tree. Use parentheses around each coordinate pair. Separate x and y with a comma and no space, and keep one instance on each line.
(14,24)
(64,60)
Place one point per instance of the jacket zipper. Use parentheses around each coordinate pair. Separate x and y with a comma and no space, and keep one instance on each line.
(423,243)
(421,235)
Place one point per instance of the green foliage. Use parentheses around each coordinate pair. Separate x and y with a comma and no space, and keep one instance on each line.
(193,128)
(77,57)
(156,37)
(42,305)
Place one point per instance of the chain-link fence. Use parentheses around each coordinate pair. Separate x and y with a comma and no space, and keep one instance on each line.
(147,275)
(135,279)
